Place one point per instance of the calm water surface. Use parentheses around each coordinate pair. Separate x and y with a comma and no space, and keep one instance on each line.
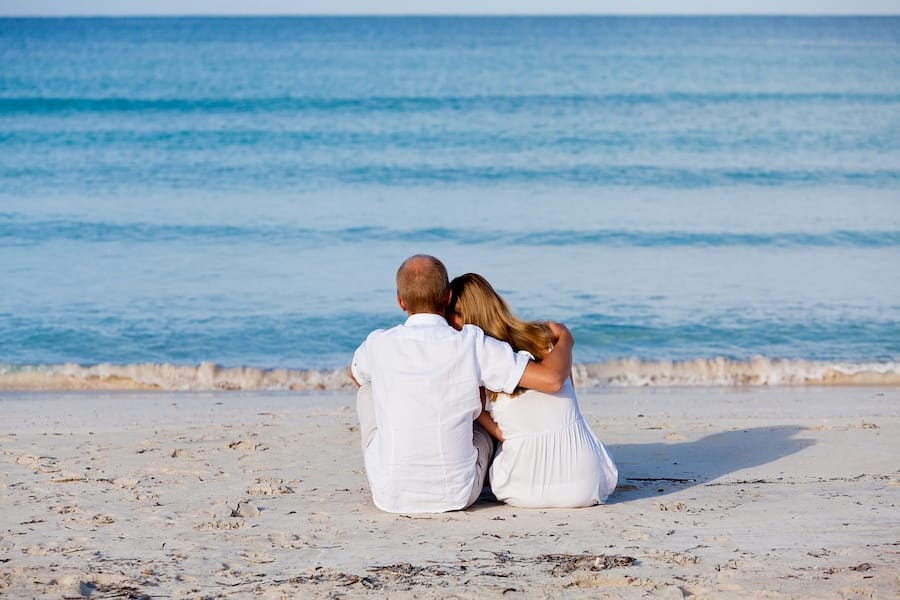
(241,191)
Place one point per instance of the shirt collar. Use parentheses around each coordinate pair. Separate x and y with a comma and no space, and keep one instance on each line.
(428,319)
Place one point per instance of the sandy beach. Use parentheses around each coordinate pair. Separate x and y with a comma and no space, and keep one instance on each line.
(724,493)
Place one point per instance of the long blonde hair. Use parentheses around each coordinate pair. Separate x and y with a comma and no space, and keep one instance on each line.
(476,303)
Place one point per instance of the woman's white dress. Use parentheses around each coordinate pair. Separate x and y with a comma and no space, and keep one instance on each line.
(549,457)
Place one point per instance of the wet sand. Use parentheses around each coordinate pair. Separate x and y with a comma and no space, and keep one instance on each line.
(724,493)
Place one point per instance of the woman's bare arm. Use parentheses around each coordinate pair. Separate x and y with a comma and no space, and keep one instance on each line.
(551,373)
(486,421)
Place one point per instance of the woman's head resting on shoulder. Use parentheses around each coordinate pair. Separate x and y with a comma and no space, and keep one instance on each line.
(474,301)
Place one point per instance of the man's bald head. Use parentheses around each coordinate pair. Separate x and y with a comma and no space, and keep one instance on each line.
(423,285)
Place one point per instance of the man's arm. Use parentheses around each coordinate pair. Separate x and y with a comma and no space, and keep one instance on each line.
(360,370)
(551,374)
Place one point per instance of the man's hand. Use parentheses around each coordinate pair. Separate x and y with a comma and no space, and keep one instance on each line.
(558,330)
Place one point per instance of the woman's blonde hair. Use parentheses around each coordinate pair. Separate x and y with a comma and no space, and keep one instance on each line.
(476,302)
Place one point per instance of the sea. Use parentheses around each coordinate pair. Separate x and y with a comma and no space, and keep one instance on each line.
(222,203)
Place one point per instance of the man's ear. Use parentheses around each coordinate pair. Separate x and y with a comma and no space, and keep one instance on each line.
(401,303)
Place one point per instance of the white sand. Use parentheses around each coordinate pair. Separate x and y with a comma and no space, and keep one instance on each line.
(724,492)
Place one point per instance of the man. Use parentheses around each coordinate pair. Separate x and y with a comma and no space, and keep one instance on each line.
(419,396)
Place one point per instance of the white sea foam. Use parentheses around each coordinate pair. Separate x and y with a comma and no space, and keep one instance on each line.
(168,377)
(207,376)
(757,371)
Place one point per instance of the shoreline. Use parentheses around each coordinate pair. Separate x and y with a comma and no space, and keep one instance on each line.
(618,373)
(723,492)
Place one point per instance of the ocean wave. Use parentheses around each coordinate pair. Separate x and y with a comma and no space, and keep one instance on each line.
(206,376)
(15,230)
(716,372)
(757,371)
(416,104)
(281,174)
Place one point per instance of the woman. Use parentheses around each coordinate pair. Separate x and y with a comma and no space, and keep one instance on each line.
(548,456)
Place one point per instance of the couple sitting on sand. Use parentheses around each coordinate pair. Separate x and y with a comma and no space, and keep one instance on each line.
(461,369)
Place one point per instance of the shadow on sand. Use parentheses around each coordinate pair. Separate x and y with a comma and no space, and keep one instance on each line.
(657,469)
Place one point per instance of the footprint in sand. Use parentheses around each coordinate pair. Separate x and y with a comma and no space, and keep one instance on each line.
(103,519)
(218,525)
(147,446)
(109,586)
(247,446)
(245,510)
(284,540)
(270,487)
(607,581)
(125,483)
(258,557)
(677,558)
(40,464)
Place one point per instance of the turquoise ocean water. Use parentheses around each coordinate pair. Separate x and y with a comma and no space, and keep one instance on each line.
(175,194)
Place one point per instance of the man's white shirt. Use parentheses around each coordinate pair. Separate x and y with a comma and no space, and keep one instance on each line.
(425,377)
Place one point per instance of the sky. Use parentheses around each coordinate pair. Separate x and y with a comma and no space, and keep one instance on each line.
(447,7)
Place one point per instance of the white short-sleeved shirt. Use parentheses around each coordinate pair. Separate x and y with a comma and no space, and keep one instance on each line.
(549,456)
(425,377)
